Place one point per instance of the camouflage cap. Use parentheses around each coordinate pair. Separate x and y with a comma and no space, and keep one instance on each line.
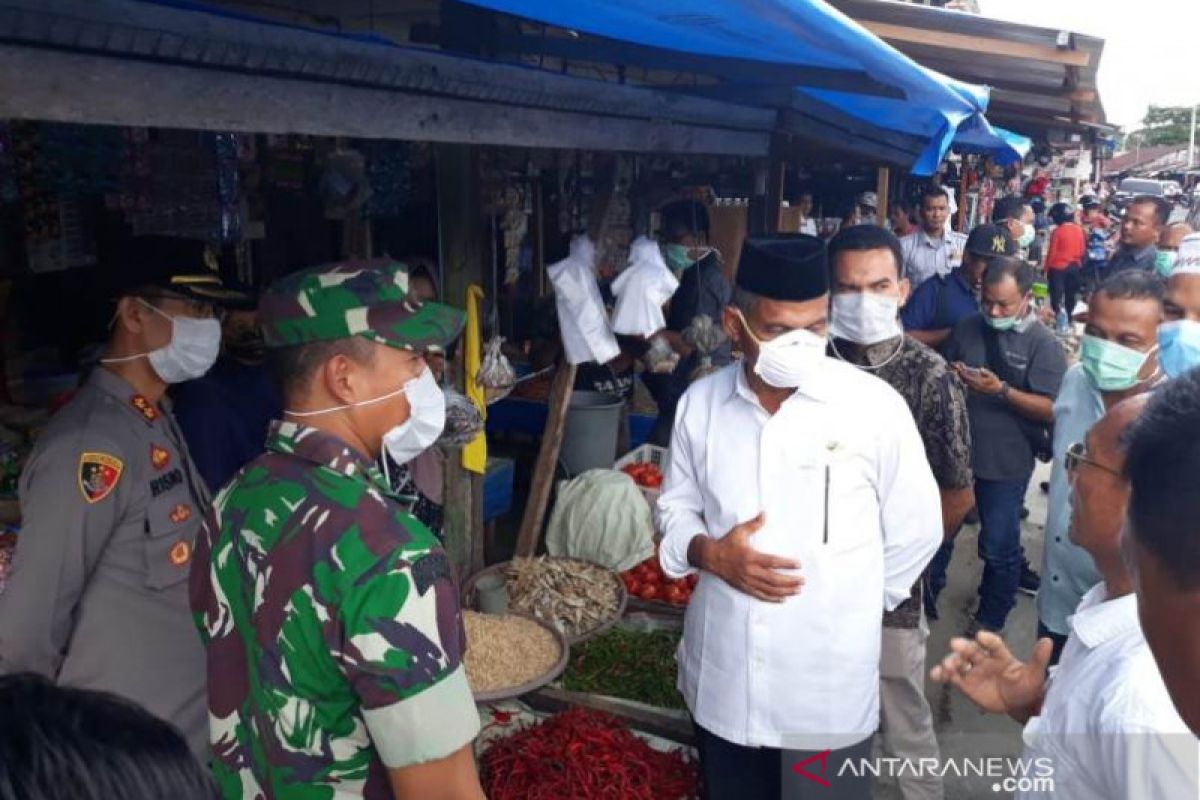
(354,298)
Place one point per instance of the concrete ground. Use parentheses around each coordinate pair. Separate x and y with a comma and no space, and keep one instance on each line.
(964,731)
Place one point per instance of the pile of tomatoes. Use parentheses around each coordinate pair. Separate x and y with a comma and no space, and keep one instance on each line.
(646,581)
(646,475)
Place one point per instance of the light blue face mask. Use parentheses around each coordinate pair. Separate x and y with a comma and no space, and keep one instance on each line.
(1178,346)
(1164,263)
(679,257)
(1027,236)
(1111,367)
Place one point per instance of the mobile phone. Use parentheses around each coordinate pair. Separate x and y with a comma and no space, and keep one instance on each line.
(974,372)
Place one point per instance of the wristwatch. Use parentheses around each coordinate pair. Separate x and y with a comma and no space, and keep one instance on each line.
(1004,390)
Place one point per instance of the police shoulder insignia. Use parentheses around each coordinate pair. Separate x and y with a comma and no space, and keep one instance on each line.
(98,475)
(160,457)
(180,554)
(144,406)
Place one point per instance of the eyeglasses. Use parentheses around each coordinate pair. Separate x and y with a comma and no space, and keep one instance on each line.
(194,308)
(1077,454)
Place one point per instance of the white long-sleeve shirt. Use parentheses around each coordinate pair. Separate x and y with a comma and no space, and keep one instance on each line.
(842,477)
(1107,728)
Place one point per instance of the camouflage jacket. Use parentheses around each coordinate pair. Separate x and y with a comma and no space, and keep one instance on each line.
(332,628)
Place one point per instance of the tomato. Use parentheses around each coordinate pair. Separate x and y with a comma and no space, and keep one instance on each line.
(643,572)
(653,577)
(634,587)
(692,580)
(650,591)
(674,595)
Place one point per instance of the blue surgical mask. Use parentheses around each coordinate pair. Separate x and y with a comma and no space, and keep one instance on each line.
(679,257)
(1027,236)
(1111,367)
(1002,323)
(1178,346)
(1164,263)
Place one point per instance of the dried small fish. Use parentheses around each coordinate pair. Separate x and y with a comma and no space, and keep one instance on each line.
(573,596)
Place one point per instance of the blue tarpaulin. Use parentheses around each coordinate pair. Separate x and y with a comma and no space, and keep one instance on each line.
(977,135)
(806,33)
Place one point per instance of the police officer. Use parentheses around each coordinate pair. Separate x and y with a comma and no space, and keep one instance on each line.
(111,504)
(329,612)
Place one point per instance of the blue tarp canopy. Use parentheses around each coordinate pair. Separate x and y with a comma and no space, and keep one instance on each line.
(977,135)
(802,33)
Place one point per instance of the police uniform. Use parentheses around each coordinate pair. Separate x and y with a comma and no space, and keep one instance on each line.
(329,612)
(111,505)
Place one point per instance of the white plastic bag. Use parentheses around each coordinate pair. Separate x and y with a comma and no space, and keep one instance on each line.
(582,320)
(641,290)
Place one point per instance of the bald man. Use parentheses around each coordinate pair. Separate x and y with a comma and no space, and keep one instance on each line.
(1104,720)
(1168,247)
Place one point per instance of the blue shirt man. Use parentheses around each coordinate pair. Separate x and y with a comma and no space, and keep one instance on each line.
(225,414)
(939,303)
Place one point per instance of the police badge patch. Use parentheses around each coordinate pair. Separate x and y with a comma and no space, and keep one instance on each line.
(98,475)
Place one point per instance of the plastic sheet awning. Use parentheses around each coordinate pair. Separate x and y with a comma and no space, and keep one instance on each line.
(803,33)
(976,135)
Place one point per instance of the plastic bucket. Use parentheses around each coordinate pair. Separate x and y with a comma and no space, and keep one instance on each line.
(590,437)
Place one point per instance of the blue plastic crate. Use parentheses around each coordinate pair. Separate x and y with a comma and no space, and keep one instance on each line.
(498,488)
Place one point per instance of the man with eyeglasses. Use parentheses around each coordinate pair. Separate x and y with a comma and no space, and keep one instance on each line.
(111,504)
(1102,721)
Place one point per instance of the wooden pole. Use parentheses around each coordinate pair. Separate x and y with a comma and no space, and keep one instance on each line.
(882,184)
(544,469)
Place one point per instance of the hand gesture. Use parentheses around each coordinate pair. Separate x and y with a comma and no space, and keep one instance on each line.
(980,380)
(733,560)
(993,678)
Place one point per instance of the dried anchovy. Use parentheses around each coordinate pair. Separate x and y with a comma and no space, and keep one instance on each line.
(574,597)
(506,651)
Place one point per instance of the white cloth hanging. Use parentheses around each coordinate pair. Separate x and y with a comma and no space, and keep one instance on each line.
(583,322)
(641,290)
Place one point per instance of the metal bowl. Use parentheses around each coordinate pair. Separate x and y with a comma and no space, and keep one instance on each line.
(469,598)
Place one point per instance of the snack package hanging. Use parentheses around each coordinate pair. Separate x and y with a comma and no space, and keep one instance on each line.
(582,320)
(496,376)
(660,359)
(641,290)
(463,420)
(706,336)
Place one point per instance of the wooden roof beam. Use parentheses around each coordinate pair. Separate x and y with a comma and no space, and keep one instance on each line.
(976,44)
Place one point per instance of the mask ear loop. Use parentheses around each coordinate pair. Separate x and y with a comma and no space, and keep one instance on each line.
(112,322)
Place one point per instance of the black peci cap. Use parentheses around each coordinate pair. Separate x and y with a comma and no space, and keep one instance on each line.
(791,268)
(991,240)
(186,267)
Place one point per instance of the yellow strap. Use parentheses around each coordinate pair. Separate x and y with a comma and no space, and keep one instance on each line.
(474,455)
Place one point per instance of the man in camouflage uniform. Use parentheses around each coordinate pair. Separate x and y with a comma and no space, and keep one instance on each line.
(329,613)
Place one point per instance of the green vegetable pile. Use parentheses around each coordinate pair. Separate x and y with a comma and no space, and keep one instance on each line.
(627,664)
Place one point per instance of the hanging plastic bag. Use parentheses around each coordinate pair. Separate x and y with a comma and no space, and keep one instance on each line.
(641,290)
(660,358)
(582,320)
(496,376)
(706,336)
(463,420)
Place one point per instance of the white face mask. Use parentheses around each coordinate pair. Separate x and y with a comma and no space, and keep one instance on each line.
(785,361)
(864,317)
(426,419)
(191,352)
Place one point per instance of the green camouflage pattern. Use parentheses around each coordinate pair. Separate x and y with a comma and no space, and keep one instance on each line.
(318,599)
(355,298)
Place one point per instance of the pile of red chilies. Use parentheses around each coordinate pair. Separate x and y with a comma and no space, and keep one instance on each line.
(581,754)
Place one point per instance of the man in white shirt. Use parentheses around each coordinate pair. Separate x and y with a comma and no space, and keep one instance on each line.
(1162,543)
(1103,722)
(799,489)
(934,249)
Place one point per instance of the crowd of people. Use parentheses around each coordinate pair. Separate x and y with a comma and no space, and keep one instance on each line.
(294,620)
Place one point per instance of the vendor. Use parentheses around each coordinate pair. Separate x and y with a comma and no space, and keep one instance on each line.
(111,504)
(703,291)
(224,415)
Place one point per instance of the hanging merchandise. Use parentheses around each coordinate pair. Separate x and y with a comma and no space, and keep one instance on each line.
(389,174)
(707,337)
(661,358)
(586,332)
(496,376)
(344,185)
(463,420)
(642,290)
(183,184)
(515,223)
